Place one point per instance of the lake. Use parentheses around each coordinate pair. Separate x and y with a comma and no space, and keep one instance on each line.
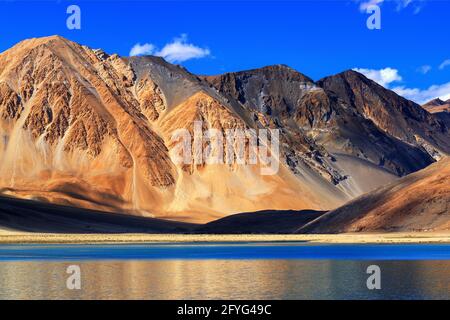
(225,271)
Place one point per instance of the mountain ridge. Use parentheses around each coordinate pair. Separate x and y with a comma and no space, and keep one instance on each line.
(95,129)
(417,202)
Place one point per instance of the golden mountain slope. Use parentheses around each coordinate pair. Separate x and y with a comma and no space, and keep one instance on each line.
(81,127)
(216,188)
(417,202)
(72,131)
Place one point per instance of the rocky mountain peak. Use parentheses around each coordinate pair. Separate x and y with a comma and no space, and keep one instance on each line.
(397,116)
(436,102)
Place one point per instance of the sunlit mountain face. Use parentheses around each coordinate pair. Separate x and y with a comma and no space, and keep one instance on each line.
(83,128)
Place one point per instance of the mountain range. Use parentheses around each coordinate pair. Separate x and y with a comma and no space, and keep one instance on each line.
(440,108)
(437,106)
(80,127)
(417,202)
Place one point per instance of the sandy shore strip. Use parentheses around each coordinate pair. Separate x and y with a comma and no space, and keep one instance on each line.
(11,237)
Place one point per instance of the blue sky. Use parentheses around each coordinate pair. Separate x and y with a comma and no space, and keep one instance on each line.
(318,38)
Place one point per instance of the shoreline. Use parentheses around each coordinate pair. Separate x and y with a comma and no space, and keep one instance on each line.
(10,237)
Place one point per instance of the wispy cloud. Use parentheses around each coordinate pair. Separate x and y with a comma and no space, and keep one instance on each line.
(363,5)
(444,64)
(387,77)
(424,69)
(179,50)
(422,96)
(382,76)
(417,5)
(402,4)
(144,49)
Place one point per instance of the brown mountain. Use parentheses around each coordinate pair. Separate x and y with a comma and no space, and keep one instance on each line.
(437,106)
(397,116)
(338,125)
(417,202)
(84,128)
(440,109)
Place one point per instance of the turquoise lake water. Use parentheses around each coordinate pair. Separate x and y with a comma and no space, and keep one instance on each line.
(225,271)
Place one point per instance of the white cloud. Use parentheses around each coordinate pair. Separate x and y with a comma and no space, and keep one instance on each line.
(422,96)
(180,50)
(387,76)
(424,69)
(383,76)
(139,50)
(400,4)
(367,3)
(444,64)
(417,9)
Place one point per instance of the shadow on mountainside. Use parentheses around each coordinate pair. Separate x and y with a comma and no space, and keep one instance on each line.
(34,216)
